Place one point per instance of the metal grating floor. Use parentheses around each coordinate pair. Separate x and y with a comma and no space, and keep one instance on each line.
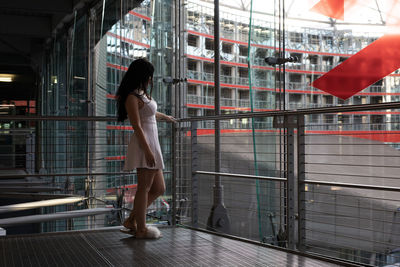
(177,247)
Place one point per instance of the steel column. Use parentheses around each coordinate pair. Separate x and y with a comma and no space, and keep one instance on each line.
(301,197)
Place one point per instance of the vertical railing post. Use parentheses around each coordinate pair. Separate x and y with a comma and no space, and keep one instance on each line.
(174,172)
(194,167)
(290,189)
(300,182)
(218,219)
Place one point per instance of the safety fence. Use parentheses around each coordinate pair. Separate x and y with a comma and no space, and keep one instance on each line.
(332,191)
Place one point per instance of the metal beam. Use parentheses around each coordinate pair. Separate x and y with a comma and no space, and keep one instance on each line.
(34,196)
(29,189)
(38,6)
(52,217)
(39,204)
(21,183)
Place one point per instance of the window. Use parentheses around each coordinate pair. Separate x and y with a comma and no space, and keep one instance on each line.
(192,89)
(192,40)
(327,99)
(243,50)
(226,93)
(376,99)
(226,70)
(296,78)
(209,91)
(313,39)
(243,73)
(295,37)
(192,64)
(328,118)
(243,95)
(192,112)
(208,68)
(209,44)
(328,40)
(227,48)
(313,59)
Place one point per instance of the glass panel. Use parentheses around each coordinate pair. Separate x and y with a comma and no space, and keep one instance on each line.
(145,31)
(342,59)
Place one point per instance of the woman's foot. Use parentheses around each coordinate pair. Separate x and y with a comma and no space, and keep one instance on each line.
(130,223)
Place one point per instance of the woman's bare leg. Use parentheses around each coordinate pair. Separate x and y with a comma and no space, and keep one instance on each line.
(156,190)
(145,182)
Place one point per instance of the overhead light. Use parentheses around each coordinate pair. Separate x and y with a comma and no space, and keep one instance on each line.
(79,78)
(6,77)
(6,106)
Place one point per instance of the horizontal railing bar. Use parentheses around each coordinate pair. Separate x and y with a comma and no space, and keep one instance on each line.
(348,108)
(37,196)
(349,155)
(353,165)
(23,183)
(353,175)
(11,176)
(316,213)
(53,216)
(245,176)
(358,186)
(337,235)
(29,189)
(339,194)
(336,109)
(56,118)
(40,204)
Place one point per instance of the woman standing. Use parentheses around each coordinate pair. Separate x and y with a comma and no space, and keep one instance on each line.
(144,152)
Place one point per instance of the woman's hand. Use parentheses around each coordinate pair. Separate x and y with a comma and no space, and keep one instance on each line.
(150,160)
(164,117)
(170,119)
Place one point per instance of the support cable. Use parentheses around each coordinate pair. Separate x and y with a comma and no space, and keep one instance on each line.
(253,124)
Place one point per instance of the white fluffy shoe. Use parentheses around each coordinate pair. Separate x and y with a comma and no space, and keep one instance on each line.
(151,233)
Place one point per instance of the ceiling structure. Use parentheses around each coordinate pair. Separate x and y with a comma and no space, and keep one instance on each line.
(25,26)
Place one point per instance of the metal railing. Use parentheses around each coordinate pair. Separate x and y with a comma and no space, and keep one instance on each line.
(61,158)
(333,192)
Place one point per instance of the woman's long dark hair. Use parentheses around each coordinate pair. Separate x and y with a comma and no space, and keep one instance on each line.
(135,79)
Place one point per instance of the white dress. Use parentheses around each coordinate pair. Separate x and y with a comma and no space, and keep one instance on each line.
(135,157)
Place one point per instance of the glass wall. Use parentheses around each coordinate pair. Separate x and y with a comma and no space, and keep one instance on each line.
(275,56)
(83,72)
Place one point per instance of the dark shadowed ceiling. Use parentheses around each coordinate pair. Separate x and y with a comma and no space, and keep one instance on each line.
(25,26)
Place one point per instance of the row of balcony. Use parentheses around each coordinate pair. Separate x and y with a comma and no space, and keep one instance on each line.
(350,126)
(257,61)
(245,103)
(209,77)
(228,102)
(247,124)
(342,46)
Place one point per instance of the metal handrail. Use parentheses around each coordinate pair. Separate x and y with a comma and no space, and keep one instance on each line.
(10,176)
(351,185)
(245,176)
(56,118)
(322,110)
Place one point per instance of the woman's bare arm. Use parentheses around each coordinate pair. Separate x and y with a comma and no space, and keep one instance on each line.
(163,117)
(132,108)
